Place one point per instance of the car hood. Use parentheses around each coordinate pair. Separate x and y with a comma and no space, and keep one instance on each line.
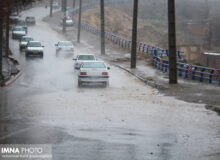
(23,43)
(19,32)
(35,48)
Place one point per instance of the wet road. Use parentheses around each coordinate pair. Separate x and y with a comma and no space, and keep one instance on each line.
(126,121)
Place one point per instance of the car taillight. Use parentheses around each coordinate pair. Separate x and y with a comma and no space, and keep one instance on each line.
(104,73)
(83,73)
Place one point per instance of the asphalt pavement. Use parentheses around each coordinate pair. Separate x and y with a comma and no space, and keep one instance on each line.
(127,120)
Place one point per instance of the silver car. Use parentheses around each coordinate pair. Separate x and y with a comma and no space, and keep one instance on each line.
(82,58)
(34,48)
(18,32)
(24,41)
(65,46)
(93,72)
(55,5)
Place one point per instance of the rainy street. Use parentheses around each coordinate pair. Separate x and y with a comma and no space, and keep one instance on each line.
(127,120)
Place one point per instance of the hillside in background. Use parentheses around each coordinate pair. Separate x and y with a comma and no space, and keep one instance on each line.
(197,22)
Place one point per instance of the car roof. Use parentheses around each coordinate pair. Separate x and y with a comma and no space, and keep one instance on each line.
(18,26)
(27,37)
(64,41)
(85,54)
(93,62)
(34,41)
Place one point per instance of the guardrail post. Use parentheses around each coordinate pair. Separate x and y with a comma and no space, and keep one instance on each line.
(194,72)
(210,76)
(202,74)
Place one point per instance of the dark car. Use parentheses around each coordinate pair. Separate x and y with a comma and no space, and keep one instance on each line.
(22,23)
(24,41)
(18,32)
(30,20)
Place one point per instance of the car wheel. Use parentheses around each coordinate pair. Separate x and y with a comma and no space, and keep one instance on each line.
(79,84)
(41,55)
(105,84)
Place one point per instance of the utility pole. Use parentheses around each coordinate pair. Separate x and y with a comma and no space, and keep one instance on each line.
(51,8)
(134,35)
(172,42)
(74,3)
(79,23)
(64,4)
(1,41)
(102,19)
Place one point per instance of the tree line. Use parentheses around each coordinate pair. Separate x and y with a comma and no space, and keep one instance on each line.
(7,7)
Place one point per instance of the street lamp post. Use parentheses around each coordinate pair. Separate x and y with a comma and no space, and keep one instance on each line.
(102,19)
(134,35)
(51,8)
(172,42)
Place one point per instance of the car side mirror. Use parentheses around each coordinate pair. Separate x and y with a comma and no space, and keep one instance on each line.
(108,68)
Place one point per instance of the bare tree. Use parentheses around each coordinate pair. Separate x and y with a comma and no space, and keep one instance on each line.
(1,41)
(134,35)
(172,42)
(74,3)
(7,28)
(102,19)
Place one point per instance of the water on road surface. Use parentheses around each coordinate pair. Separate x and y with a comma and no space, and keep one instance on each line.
(125,121)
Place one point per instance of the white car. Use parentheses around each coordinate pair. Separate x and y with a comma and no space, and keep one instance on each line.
(69,22)
(34,48)
(18,32)
(82,58)
(14,17)
(93,72)
(66,46)
(55,5)
(24,41)
(30,20)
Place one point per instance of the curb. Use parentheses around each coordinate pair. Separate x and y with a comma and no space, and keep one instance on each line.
(213,108)
(147,82)
(12,79)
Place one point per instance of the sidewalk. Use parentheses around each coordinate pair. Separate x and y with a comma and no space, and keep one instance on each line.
(10,70)
(187,90)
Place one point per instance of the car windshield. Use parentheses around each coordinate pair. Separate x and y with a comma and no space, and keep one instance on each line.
(86,57)
(30,18)
(66,44)
(34,44)
(19,29)
(26,39)
(21,23)
(55,4)
(93,65)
